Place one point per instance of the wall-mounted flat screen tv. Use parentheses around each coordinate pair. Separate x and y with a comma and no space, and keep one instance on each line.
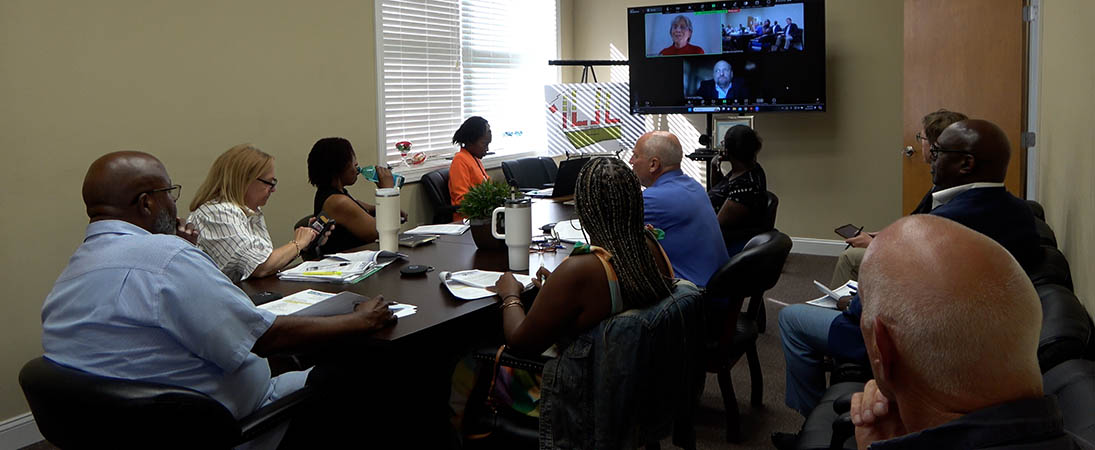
(727,57)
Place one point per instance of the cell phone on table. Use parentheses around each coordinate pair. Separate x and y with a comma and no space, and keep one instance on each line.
(848,231)
(321,225)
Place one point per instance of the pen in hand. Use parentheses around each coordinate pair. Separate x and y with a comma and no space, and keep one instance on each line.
(860,230)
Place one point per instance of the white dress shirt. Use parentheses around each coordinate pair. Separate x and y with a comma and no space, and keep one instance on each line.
(941,198)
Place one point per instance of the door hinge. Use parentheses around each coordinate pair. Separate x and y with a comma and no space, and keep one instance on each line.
(1027,139)
(1030,13)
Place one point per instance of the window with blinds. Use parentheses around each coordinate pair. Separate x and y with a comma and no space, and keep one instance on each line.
(442,61)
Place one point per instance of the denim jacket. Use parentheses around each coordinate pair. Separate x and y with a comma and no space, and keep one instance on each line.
(628,381)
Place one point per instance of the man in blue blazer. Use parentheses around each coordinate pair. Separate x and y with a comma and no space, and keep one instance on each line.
(968,165)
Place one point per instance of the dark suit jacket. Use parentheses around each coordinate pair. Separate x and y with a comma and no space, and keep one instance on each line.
(796,33)
(990,211)
(737,90)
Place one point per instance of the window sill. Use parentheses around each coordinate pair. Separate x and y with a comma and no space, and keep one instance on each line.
(414,174)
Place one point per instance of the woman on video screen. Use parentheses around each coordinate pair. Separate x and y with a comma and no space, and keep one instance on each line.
(681,33)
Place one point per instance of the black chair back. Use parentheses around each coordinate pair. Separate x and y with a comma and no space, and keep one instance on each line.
(528,173)
(436,184)
(1052,269)
(303,222)
(75,409)
(1046,236)
(1066,327)
(770,213)
(549,167)
(748,274)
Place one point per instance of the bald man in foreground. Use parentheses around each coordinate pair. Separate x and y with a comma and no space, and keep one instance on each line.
(137,302)
(953,345)
(674,203)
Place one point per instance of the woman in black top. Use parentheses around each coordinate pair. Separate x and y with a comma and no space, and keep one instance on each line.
(740,198)
(332,165)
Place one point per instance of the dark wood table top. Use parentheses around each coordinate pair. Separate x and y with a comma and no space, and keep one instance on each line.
(435,304)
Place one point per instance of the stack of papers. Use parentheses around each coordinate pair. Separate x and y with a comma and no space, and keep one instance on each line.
(308,297)
(473,284)
(451,229)
(341,267)
(831,296)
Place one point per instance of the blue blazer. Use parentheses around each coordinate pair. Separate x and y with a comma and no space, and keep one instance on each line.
(990,211)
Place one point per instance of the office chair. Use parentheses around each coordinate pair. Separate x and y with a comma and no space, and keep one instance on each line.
(436,184)
(529,173)
(748,274)
(75,409)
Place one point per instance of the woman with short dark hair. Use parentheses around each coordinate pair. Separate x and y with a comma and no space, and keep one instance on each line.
(332,165)
(467,170)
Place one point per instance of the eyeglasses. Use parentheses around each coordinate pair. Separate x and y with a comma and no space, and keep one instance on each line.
(921,138)
(273,183)
(173,192)
(935,150)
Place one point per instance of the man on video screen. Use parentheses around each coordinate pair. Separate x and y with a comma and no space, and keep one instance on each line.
(723,85)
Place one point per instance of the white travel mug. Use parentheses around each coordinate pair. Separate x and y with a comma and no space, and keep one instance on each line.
(387,218)
(518,230)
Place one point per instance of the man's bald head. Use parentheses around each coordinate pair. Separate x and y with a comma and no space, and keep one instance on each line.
(961,317)
(972,151)
(114,184)
(655,153)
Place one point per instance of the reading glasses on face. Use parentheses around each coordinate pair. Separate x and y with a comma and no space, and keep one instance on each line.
(935,150)
(173,192)
(273,182)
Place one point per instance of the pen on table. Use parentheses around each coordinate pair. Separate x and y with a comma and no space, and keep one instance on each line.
(860,230)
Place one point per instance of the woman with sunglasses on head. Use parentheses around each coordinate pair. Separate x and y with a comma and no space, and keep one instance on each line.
(227,211)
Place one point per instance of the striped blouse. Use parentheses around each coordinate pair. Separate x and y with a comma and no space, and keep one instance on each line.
(234,236)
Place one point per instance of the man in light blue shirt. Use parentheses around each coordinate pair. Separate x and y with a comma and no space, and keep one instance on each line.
(138,302)
(678,205)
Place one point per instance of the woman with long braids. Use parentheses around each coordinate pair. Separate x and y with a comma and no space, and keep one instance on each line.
(623,267)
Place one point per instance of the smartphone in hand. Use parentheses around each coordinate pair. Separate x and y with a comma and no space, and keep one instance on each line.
(321,225)
(848,231)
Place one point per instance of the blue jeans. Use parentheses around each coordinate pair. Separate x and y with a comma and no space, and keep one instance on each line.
(804,331)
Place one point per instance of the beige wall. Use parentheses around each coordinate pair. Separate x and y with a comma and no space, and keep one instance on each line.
(827,168)
(1066,139)
(181,80)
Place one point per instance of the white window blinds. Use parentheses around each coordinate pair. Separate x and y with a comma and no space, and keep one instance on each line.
(442,61)
(419,53)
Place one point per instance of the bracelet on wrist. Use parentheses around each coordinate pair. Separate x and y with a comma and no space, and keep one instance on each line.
(511,300)
(295,245)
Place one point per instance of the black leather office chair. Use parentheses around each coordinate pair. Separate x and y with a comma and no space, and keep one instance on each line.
(529,173)
(748,274)
(1066,327)
(1073,383)
(1052,269)
(75,409)
(436,184)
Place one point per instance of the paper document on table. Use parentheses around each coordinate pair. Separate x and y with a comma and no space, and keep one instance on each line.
(296,302)
(451,229)
(472,284)
(402,309)
(832,295)
(341,267)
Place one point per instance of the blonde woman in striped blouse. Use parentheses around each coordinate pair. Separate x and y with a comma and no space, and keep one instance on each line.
(227,212)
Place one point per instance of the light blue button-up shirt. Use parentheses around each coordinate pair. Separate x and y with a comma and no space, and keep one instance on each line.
(693,240)
(152,307)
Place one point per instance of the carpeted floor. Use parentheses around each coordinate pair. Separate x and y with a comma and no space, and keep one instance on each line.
(757,424)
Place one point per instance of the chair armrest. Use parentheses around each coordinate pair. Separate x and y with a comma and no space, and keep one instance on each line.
(269,416)
(842,430)
(843,403)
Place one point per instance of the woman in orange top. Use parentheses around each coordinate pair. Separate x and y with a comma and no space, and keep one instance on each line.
(467,166)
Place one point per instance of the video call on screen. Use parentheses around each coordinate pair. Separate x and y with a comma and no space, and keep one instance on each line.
(740,56)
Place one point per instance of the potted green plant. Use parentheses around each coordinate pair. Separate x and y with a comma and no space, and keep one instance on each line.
(478,204)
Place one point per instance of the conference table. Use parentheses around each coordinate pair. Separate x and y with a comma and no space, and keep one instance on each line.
(437,307)
(401,374)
